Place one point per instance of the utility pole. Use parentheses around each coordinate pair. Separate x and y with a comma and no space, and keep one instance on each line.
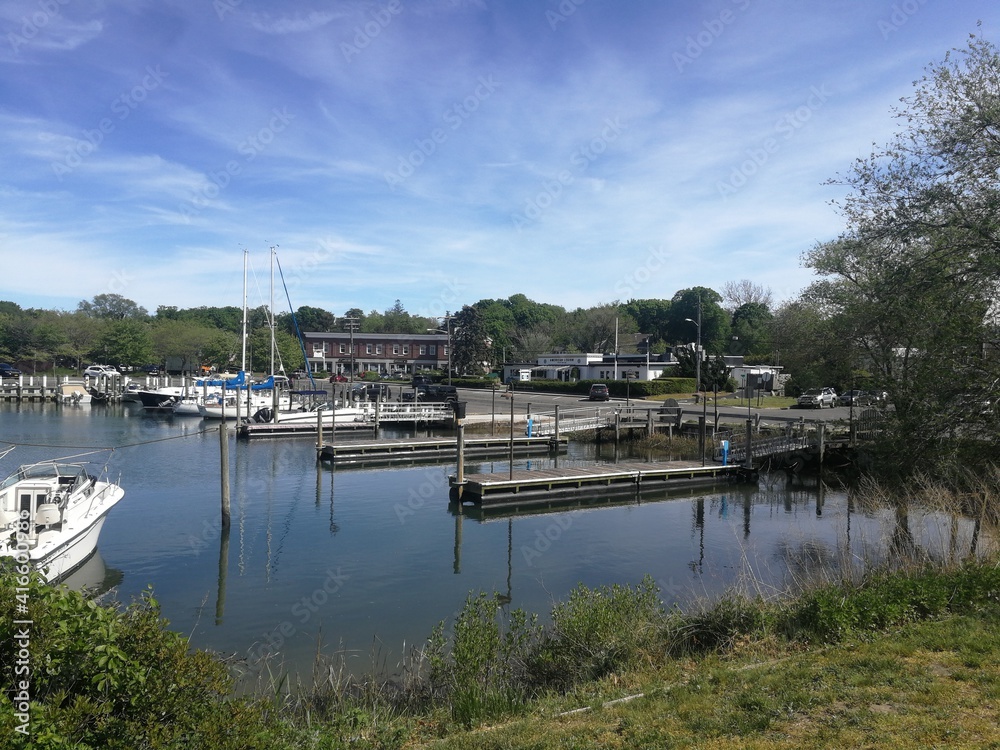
(351,324)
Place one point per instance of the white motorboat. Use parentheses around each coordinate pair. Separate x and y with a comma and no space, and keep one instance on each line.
(55,512)
(160,399)
(73,393)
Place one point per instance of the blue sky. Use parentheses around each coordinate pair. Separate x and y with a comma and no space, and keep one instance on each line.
(439,151)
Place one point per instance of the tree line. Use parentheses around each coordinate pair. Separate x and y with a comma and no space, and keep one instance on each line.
(112,329)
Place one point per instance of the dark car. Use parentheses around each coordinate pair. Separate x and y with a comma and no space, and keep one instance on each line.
(599,392)
(372,392)
(432,393)
(9,371)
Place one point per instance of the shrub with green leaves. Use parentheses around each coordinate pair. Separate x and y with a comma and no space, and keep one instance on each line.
(116,677)
(598,631)
(484,675)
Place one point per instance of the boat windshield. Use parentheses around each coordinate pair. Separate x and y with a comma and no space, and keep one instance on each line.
(67,473)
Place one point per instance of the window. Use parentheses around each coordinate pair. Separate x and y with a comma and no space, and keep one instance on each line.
(343,348)
(406,350)
(368,348)
(378,348)
(433,349)
(423,349)
(395,349)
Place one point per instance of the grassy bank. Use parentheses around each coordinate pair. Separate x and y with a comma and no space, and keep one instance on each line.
(907,659)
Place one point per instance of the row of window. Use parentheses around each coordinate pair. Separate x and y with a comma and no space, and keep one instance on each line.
(397,350)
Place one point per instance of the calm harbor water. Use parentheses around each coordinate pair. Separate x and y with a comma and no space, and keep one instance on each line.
(367,560)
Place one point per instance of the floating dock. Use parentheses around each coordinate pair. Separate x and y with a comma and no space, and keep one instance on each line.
(389,451)
(550,485)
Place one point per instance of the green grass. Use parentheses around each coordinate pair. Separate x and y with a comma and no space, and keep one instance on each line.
(907,659)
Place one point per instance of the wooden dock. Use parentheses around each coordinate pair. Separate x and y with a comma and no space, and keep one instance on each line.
(548,485)
(404,449)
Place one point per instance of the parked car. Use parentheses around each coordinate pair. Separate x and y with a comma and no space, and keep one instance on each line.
(433,392)
(95,371)
(9,371)
(856,398)
(371,392)
(599,392)
(338,378)
(817,398)
(152,370)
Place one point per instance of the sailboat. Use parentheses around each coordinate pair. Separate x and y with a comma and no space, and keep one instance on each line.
(239,398)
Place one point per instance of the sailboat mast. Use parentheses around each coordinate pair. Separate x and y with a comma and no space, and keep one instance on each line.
(272,310)
(243,360)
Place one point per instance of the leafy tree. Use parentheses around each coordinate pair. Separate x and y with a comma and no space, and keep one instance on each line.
(914,278)
(309,319)
(470,347)
(112,307)
(652,316)
(686,307)
(751,331)
(126,341)
(188,340)
(498,322)
(599,329)
(745,292)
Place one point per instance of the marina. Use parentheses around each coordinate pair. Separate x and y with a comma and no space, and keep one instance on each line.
(339,556)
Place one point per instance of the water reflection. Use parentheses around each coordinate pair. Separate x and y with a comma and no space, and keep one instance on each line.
(348,555)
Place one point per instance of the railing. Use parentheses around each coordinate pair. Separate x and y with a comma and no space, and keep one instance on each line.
(395,411)
(763,447)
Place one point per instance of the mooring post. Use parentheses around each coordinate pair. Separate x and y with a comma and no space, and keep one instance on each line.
(459,407)
(821,430)
(319,431)
(224,460)
(511,471)
(748,463)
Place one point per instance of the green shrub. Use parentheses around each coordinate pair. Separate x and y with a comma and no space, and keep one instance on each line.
(484,675)
(719,626)
(116,678)
(598,631)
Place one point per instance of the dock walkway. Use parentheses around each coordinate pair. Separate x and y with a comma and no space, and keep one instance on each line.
(548,485)
(404,449)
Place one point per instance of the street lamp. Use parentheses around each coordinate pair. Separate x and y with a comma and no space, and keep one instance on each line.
(697,377)
(447,317)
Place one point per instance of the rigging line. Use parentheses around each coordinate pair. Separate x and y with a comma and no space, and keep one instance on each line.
(295,321)
(99,448)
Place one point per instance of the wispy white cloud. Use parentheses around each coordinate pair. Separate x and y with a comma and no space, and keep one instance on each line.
(439,152)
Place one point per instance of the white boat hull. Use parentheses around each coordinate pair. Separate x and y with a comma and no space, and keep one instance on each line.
(57,544)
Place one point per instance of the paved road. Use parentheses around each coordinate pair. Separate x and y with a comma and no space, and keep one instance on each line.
(483,402)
